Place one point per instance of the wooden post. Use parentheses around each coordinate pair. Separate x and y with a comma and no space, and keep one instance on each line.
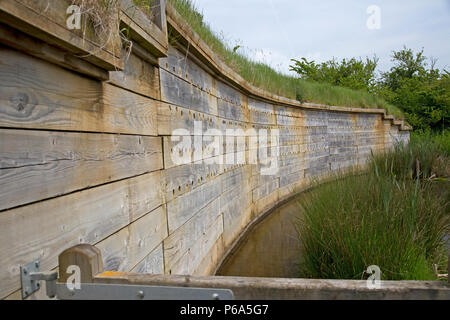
(159,14)
(87,257)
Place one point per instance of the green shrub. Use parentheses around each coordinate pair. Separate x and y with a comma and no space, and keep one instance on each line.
(349,73)
(420,90)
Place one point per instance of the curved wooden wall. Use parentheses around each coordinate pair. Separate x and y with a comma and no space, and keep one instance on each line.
(86,143)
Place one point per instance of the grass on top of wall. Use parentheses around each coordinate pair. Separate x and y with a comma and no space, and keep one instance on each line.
(395,216)
(263,76)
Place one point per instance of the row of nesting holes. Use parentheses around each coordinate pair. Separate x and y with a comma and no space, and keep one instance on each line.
(208,175)
(207,90)
(199,115)
(208,118)
(199,180)
(191,81)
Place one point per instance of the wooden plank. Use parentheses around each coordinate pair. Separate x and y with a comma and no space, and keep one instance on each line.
(261,112)
(235,202)
(228,93)
(125,249)
(42,50)
(218,150)
(175,91)
(266,202)
(185,66)
(138,76)
(88,216)
(292,189)
(171,118)
(153,263)
(192,259)
(114,251)
(152,35)
(36,165)
(159,15)
(184,207)
(258,288)
(17,295)
(147,40)
(126,112)
(55,12)
(266,188)
(237,213)
(31,17)
(209,263)
(146,234)
(181,150)
(184,238)
(231,111)
(88,259)
(239,177)
(30,98)
(178,180)
(178,91)
(291,178)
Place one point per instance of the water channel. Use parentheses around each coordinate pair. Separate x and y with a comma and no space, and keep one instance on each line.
(270,249)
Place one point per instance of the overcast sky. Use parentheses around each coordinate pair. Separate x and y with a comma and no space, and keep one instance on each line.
(274,31)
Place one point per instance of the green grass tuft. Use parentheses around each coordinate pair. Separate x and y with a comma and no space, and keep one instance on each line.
(386,217)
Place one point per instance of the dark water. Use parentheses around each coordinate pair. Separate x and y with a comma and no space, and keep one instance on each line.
(271,249)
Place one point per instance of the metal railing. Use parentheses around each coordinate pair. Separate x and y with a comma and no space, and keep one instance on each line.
(81,276)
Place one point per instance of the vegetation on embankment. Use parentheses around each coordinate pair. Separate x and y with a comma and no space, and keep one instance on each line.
(263,76)
(101,16)
(413,84)
(395,216)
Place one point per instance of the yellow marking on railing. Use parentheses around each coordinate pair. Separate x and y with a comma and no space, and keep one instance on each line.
(111,274)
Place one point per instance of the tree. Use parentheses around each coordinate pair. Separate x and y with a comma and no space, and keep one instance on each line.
(421,92)
(354,73)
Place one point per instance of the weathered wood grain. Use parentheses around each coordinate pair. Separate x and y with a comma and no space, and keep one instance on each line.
(88,216)
(47,22)
(36,165)
(178,180)
(102,172)
(192,259)
(182,208)
(138,76)
(175,90)
(87,257)
(184,238)
(42,50)
(209,262)
(29,98)
(142,30)
(125,249)
(153,263)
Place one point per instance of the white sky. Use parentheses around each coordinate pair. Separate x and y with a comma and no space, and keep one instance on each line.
(274,31)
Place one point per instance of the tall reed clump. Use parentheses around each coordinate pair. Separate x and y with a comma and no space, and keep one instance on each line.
(426,157)
(385,217)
